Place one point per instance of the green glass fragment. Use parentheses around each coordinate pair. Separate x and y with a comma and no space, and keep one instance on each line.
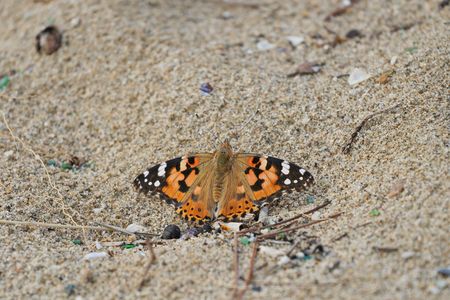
(245,241)
(4,82)
(374,212)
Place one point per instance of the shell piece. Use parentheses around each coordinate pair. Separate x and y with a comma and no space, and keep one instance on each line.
(358,75)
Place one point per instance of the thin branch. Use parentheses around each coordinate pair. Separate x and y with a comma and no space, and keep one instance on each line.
(251,269)
(236,265)
(347,147)
(275,233)
(152,259)
(50,225)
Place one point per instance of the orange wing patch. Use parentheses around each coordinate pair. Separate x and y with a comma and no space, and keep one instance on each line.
(237,205)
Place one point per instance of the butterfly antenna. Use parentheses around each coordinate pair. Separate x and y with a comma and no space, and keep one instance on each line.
(235,133)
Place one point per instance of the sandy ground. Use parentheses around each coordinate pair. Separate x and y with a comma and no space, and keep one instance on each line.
(123,94)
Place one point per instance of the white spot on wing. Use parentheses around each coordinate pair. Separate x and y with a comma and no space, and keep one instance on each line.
(162,169)
(145,180)
(145,173)
(287,181)
(302,171)
(157,183)
(295,181)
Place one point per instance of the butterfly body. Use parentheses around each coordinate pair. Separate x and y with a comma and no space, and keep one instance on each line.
(222,184)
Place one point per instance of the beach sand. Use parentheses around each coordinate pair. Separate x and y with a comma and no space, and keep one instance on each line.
(122,93)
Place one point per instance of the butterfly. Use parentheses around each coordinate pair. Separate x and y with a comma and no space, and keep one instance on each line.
(222,184)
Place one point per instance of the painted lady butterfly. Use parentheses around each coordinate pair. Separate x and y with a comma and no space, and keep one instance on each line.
(222,184)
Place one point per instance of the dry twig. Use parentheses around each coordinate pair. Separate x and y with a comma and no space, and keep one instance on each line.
(346,149)
(149,264)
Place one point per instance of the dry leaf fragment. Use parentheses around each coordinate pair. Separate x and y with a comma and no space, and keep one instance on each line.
(384,78)
(396,189)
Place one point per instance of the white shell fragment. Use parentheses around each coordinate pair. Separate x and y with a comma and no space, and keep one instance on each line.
(295,40)
(357,76)
(264,45)
(95,255)
(231,226)
(135,228)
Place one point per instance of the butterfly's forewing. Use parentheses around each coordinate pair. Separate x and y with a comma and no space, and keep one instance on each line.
(269,176)
(174,179)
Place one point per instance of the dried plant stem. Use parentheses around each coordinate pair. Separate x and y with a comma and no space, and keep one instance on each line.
(236,265)
(50,225)
(152,259)
(250,273)
(60,197)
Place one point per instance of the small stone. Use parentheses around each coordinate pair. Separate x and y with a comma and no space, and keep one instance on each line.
(295,40)
(393,60)
(300,255)
(171,232)
(264,45)
(206,88)
(49,40)
(70,289)
(95,255)
(135,228)
(354,33)
(407,255)
(316,216)
(75,22)
(263,215)
(98,245)
(357,76)
(444,272)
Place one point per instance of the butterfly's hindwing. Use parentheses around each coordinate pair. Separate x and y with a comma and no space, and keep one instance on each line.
(269,176)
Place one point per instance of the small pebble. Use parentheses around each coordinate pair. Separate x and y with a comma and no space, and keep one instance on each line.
(206,88)
(256,288)
(354,33)
(75,22)
(49,40)
(357,76)
(407,254)
(135,228)
(70,289)
(444,271)
(263,215)
(95,255)
(171,232)
(295,40)
(316,216)
(264,45)
(393,60)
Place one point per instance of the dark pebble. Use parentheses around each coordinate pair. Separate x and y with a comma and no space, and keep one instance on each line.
(207,227)
(171,232)
(206,88)
(48,40)
(256,288)
(354,33)
(444,272)
(70,289)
